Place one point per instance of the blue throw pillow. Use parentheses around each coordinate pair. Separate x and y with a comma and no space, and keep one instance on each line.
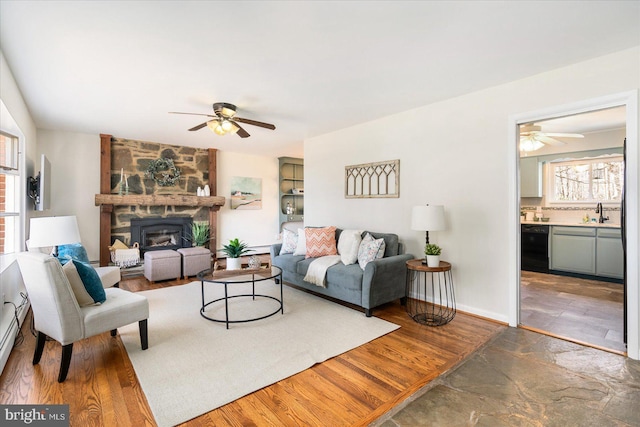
(91,281)
(73,251)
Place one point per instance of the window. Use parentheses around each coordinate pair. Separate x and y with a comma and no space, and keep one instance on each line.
(9,193)
(588,180)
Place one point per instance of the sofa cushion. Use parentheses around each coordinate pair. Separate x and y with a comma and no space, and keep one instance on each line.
(320,241)
(369,250)
(345,276)
(289,242)
(288,262)
(391,242)
(301,245)
(348,245)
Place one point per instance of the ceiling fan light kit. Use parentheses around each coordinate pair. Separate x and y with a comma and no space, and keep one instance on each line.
(533,138)
(224,121)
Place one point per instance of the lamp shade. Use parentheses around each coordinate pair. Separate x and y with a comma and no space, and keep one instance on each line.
(428,218)
(53,231)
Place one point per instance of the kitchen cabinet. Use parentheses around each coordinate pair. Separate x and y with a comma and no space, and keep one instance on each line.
(595,251)
(530,177)
(291,191)
(609,253)
(573,249)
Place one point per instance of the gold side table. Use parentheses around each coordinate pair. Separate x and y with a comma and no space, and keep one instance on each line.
(430,297)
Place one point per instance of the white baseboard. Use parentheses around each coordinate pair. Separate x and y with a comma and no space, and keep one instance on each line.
(10,330)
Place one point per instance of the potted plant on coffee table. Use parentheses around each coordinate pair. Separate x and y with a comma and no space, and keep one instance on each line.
(234,250)
(432,252)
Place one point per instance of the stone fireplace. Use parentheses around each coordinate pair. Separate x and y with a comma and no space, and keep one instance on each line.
(157,233)
(125,162)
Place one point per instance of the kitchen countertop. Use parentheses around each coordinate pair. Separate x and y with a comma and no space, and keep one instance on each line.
(572,224)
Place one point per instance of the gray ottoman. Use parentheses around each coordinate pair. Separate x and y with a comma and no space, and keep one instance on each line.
(194,260)
(161,265)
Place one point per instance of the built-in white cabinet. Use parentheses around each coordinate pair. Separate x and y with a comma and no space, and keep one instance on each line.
(530,177)
(587,250)
(573,249)
(609,253)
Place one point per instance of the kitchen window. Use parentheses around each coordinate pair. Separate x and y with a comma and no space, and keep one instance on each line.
(591,180)
(9,193)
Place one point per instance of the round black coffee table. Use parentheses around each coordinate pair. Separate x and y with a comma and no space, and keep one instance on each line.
(229,278)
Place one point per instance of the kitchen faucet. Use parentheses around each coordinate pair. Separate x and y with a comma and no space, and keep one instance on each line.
(600,210)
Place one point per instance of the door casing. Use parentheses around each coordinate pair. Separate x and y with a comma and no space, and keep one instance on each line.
(630,101)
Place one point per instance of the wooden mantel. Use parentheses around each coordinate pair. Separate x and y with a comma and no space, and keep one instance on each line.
(159,200)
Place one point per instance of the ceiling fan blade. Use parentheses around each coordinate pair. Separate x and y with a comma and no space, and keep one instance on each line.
(193,114)
(549,141)
(565,135)
(241,132)
(200,126)
(254,123)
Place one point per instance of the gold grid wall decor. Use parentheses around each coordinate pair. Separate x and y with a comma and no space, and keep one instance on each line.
(368,180)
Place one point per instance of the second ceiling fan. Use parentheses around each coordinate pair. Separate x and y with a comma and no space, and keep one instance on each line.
(224,121)
(533,138)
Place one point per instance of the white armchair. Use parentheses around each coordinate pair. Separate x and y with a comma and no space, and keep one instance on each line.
(57,314)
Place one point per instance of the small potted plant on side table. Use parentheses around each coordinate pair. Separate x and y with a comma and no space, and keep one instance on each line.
(432,252)
(234,250)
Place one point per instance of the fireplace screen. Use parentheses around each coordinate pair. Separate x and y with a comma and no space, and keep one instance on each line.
(161,233)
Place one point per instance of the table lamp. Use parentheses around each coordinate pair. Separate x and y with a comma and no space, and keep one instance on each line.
(53,231)
(428,218)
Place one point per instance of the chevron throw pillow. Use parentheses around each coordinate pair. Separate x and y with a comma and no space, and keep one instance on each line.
(320,241)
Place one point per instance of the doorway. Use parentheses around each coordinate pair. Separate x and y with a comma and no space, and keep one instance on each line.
(574,288)
(629,100)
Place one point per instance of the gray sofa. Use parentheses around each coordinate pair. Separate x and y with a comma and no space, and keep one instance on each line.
(383,280)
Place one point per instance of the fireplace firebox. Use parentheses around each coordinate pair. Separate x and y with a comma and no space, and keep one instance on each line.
(153,234)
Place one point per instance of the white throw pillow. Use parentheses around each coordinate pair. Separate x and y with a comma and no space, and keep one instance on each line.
(301,246)
(348,245)
(289,242)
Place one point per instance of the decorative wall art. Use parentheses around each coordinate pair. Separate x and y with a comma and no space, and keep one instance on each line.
(369,180)
(246,193)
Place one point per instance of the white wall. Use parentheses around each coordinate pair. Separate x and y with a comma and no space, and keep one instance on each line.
(75,180)
(255,227)
(454,153)
(18,120)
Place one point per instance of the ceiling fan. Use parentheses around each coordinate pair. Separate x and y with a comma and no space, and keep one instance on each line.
(533,138)
(224,121)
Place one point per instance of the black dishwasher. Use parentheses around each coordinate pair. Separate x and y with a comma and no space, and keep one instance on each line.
(534,248)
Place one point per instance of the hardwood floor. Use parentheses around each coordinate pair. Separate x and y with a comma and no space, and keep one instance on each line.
(352,389)
(586,311)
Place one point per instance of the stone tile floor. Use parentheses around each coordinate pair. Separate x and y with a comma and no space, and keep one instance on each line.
(582,310)
(521,378)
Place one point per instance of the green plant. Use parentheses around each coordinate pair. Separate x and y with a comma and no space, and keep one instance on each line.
(235,248)
(432,249)
(200,233)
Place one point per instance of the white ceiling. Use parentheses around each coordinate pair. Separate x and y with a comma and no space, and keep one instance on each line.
(307,67)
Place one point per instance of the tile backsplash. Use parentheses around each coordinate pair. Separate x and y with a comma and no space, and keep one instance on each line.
(575,214)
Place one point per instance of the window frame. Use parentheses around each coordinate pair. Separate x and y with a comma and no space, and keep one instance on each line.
(13,170)
(551,180)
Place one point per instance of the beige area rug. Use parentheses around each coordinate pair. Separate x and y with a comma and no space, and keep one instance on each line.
(194,365)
